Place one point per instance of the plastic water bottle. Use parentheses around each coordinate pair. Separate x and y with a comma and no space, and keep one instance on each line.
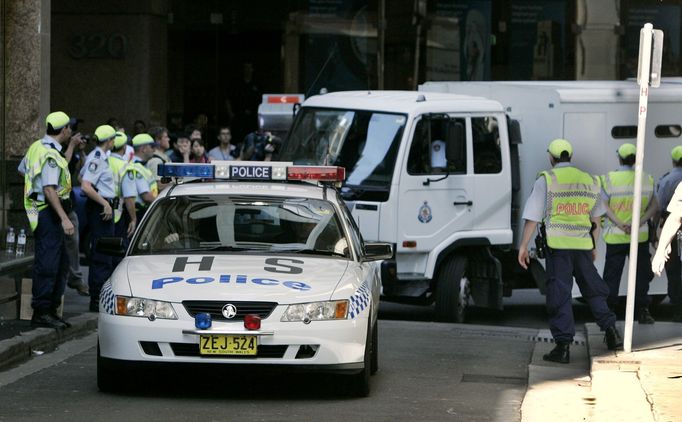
(10,240)
(21,242)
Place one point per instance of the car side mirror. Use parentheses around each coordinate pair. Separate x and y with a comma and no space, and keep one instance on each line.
(112,246)
(455,140)
(376,251)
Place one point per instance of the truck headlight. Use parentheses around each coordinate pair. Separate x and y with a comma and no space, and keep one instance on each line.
(148,308)
(316,311)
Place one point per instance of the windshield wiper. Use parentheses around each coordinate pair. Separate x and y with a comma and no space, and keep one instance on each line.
(311,252)
(213,248)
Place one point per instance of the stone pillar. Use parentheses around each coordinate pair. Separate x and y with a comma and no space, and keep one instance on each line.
(27,73)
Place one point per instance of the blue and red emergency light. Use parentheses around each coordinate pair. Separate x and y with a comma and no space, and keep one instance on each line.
(260,171)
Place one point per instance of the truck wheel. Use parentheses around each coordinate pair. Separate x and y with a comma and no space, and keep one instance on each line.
(452,290)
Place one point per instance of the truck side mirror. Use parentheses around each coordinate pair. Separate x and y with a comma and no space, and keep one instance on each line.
(112,246)
(514,129)
(455,139)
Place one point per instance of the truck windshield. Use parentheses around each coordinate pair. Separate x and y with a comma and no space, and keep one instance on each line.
(364,142)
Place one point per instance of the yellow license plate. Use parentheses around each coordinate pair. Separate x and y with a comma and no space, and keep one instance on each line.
(228,345)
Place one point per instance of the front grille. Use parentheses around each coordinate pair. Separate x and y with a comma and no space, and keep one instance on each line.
(264,351)
(214,307)
(151,348)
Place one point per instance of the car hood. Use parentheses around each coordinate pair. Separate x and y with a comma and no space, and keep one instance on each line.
(277,278)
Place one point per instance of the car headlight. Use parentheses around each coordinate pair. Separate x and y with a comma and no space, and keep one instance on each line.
(148,308)
(316,311)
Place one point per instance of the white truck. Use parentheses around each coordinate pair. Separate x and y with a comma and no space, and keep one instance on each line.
(443,173)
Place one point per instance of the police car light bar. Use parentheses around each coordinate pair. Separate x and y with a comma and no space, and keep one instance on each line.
(254,171)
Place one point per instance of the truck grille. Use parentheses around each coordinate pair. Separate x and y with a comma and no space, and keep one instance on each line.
(214,307)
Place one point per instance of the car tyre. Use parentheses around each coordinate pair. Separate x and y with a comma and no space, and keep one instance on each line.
(358,384)
(107,375)
(452,290)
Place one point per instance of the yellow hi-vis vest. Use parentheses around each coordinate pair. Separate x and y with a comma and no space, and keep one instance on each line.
(148,176)
(620,186)
(571,195)
(36,157)
(118,168)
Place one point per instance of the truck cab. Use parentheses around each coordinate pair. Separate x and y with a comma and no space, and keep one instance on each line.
(429,172)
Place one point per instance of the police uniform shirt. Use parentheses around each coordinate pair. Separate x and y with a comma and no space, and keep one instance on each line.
(49,176)
(536,205)
(128,189)
(97,171)
(667,186)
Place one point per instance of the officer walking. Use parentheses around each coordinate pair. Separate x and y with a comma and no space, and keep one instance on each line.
(47,186)
(669,201)
(145,180)
(618,195)
(566,201)
(99,186)
(125,219)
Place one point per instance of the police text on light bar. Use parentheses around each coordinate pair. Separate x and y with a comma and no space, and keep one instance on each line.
(260,171)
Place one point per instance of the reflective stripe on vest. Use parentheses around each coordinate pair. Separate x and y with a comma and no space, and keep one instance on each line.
(36,157)
(571,195)
(619,185)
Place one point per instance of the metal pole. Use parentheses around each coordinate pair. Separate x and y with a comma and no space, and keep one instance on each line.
(645,60)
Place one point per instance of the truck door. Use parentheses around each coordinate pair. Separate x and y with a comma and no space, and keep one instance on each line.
(435,195)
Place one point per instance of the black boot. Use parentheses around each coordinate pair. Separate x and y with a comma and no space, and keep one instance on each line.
(560,353)
(644,316)
(613,339)
(44,319)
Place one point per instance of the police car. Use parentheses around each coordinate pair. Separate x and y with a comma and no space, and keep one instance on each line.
(244,264)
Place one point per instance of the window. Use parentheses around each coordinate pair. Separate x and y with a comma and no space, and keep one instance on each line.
(620,132)
(668,131)
(428,149)
(486,140)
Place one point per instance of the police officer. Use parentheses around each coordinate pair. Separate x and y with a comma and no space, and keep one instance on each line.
(145,179)
(125,219)
(47,186)
(668,187)
(617,194)
(566,200)
(97,183)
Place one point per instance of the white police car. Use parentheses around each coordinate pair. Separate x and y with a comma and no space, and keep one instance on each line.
(248,264)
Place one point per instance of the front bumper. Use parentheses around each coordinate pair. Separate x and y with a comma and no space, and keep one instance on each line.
(318,344)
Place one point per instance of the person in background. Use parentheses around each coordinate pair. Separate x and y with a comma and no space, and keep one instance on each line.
(182,149)
(199,152)
(617,194)
(98,184)
(47,189)
(225,150)
(566,201)
(161,145)
(669,201)
(139,127)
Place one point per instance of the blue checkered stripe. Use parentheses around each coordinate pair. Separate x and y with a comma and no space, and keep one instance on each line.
(107,298)
(359,301)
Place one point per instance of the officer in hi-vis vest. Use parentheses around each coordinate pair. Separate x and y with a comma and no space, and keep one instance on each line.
(147,188)
(567,202)
(125,219)
(618,193)
(47,185)
(97,183)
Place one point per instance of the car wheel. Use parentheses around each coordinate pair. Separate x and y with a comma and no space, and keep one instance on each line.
(374,367)
(107,377)
(452,290)
(358,384)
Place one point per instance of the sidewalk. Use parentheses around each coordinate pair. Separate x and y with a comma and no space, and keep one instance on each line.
(19,341)
(601,385)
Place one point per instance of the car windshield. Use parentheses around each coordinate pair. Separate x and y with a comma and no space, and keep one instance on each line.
(242,224)
(364,142)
